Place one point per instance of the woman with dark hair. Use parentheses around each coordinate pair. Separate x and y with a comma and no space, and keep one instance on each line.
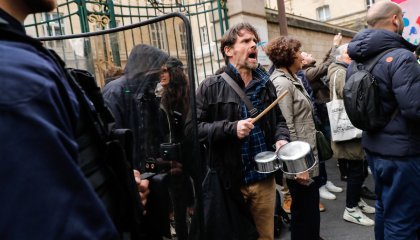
(174,106)
(175,95)
(297,109)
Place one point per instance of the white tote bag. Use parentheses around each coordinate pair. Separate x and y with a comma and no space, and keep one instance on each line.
(341,127)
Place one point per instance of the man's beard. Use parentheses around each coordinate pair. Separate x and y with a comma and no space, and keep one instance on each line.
(251,66)
(400,30)
(36,6)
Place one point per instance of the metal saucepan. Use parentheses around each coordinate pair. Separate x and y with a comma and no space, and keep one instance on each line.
(296,157)
(266,162)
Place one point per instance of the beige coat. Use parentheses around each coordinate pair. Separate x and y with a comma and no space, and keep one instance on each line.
(352,149)
(297,109)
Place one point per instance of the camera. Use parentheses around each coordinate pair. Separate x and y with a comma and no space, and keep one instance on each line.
(170,151)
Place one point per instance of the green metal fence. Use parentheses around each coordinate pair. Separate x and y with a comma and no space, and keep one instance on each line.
(208,20)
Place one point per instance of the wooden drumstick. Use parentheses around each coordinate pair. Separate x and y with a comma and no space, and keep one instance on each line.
(269,107)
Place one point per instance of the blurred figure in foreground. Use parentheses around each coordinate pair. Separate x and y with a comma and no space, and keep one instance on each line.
(44,193)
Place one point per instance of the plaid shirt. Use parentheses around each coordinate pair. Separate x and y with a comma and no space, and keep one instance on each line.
(255,142)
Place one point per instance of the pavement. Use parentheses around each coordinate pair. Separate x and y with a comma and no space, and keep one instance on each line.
(333,227)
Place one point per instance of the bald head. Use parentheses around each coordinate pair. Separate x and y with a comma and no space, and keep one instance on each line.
(385,15)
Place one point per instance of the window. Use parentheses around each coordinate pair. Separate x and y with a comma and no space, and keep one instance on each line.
(369,3)
(54,25)
(158,36)
(182,36)
(323,13)
(204,35)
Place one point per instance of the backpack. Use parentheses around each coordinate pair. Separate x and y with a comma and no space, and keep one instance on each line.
(104,152)
(362,99)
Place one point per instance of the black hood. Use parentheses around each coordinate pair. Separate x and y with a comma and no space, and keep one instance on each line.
(142,70)
(371,42)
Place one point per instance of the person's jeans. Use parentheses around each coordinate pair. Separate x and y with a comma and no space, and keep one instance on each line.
(305,221)
(397,185)
(261,198)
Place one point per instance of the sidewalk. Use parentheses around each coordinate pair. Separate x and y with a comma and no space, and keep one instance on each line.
(333,227)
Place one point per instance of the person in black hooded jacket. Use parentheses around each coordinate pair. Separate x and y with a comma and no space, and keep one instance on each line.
(132,100)
(393,152)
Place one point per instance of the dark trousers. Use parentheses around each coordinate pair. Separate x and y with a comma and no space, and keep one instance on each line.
(305,221)
(343,167)
(181,193)
(157,214)
(323,177)
(355,178)
(326,130)
(397,186)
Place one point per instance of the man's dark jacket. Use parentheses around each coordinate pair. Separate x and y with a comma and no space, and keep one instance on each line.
(44,194)
(218,112)
(398,77)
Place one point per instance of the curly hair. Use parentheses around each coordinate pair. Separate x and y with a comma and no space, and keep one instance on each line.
(176,94)
(282,51)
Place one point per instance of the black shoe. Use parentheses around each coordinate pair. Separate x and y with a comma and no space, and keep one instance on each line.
(343,178)
(366,193)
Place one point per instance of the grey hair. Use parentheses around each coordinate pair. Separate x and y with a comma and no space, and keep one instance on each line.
(339,51)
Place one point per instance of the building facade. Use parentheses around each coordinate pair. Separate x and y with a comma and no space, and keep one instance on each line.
(209,20)
(343,13)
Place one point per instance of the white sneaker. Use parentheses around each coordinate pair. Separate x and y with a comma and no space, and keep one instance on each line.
(364,207)
(172,228)
(354,215)
(332,188)
(325,194)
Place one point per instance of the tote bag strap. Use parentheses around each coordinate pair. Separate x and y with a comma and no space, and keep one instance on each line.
(334,90)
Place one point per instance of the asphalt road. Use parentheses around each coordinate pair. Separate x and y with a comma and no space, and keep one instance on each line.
(333,226)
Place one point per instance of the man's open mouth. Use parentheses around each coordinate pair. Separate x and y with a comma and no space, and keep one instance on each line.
(252,56)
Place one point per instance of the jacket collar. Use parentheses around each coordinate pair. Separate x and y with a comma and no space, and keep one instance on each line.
(288,76)
(11,22)
(258,74)
(342,64)
(295,81)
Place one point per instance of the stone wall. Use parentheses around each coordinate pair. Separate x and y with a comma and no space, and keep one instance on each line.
(316,37)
